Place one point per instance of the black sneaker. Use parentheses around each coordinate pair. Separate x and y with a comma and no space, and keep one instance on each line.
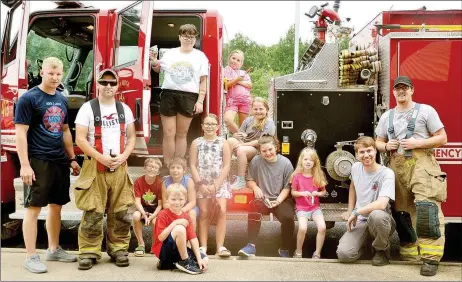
(380,258)
(188,266)
(429,268)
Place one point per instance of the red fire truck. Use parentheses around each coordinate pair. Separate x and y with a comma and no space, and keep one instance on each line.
(425,45)
(341,93)
(95,39)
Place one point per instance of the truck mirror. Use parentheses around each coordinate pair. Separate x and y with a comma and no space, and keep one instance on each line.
(313,11)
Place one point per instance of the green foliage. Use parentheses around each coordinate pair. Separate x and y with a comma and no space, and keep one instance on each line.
(267,61)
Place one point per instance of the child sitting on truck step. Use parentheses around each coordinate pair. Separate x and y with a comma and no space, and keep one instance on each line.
(148,200)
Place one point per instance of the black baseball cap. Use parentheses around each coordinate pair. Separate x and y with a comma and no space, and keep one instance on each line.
(403,80)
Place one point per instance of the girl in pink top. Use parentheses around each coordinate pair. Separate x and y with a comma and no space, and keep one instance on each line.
(238,85)
(308,184)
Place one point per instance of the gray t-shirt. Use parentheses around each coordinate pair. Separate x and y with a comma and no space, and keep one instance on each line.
(427,123)
(252,132)
(270,177)
(367,185)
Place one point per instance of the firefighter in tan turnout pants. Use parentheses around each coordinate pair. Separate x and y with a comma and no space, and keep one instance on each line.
(409,133)
(105,132)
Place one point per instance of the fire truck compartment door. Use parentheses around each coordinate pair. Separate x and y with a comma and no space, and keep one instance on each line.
(131,62)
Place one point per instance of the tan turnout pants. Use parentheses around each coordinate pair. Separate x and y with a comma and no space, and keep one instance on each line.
(99,193)
(421,186)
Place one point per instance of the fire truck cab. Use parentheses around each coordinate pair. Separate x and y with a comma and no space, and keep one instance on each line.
(90,40)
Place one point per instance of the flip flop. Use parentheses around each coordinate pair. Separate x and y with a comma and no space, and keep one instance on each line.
(139,251)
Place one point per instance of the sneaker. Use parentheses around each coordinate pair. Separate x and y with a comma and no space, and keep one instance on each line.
(60,255)
(34,265)
(283,253)
(188,266)
(380,258)
(297,255)
(239,183)
(429,268)
(248,251)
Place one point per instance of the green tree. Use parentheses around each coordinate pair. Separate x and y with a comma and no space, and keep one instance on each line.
(281,55)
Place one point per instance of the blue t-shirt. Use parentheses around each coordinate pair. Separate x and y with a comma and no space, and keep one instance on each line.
(45,114)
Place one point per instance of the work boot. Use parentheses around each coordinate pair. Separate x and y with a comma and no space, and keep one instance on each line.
(429,268)
(120,258)
(86,263)
(380,258)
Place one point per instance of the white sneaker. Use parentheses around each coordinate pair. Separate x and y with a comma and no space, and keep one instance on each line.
(34,265)
(239,183)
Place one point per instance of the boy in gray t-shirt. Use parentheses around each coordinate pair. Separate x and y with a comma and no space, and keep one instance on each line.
(372,187)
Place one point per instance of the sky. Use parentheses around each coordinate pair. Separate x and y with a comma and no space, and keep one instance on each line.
(266,22)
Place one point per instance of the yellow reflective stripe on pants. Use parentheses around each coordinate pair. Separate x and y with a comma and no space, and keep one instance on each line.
(431,250)
(409,251)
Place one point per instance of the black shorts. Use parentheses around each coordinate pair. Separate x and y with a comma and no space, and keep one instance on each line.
(173,102)
(51,185)
(169,254)
(148,209)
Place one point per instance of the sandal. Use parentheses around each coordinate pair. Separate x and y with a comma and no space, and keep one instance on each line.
(316,256)
(139,251)
(223,252)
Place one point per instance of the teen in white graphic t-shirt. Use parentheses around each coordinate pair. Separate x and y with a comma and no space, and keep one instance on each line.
(183,90)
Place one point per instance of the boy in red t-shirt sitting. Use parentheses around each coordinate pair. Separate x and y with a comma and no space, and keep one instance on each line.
(173,230)
(148,200)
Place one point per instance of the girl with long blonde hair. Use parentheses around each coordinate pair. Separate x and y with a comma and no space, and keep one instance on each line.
(308,184)
(244,143)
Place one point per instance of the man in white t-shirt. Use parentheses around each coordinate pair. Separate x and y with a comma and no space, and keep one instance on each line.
(372,187)
(183,90)
(105,132)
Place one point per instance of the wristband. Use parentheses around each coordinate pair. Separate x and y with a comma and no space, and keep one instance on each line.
(156,64)
(355,212)
(200,102)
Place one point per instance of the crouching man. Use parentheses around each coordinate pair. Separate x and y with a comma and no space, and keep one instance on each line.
(105,132)
(372,187)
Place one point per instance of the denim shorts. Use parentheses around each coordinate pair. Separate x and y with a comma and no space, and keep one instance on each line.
(309,214)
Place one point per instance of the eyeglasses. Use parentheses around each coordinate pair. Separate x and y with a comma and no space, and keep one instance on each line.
(210,124)
(112,83)
(190,38)
(403,88)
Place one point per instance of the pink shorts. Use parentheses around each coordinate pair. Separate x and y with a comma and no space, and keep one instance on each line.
(238,104)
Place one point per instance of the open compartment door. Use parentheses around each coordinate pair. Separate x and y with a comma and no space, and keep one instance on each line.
(131,61)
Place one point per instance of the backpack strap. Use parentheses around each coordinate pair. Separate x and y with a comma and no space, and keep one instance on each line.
(121,114)
(411,127)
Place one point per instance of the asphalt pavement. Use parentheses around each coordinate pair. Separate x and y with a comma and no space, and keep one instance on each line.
(232,269)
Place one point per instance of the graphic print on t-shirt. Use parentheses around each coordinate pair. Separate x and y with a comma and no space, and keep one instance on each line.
(182,72)
(110,121)
(149,198)
(53,118)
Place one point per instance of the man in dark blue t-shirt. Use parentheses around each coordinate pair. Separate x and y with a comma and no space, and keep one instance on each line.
(45,150)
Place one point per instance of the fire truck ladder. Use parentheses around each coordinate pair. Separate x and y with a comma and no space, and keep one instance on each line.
(310,54)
